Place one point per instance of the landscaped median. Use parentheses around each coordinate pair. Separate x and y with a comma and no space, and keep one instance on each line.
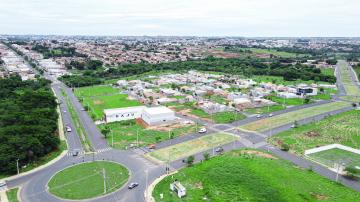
(251,175)
(290,117)
(191,147)
(88,180)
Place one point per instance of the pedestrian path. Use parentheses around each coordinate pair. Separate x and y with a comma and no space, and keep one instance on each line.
(146,162)
(103,150)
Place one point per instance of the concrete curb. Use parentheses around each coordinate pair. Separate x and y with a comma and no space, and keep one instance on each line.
(63,153)
(148,192)
(3,196)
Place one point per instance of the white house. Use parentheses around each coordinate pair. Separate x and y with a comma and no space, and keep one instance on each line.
(122,114)
(157,115)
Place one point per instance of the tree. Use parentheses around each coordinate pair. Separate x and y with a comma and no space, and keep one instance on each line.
(190,160)
(206,156)
(284,147)
(306,100)
(105,131)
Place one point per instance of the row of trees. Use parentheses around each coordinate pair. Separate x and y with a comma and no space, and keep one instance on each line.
(241,66)
(83,65)
(28,122)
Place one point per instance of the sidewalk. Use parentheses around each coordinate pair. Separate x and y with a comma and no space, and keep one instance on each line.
(148,192)
(3,197)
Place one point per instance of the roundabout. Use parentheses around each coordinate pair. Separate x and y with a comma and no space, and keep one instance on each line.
(88,180)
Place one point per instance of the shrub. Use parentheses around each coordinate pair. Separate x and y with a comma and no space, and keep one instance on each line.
(285,147)
(206,156)
(190,160)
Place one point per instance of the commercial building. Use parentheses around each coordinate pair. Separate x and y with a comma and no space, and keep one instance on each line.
(149,115)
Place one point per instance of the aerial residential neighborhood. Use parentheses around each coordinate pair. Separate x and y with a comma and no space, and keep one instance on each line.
(159,101)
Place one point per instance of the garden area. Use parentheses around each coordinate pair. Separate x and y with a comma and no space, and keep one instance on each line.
(342,128)
(290,117)
(191,147)
(122,134)
(85,180)
(250,175)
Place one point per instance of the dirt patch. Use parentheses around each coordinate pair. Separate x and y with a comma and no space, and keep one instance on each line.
(222,54)
(312,134)
(167,127)
(98,102)
(258,153)
(198,185)
(319,197)
(186,112)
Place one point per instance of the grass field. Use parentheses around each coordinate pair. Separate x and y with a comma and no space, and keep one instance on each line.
(290,117)
(220,117)
(124,133)
(191,147)
(12,195)
(93,91)
(280,80)
(86,180)
(332,156)
(328,71)
(262,110)
(242,176)
(342,128)
(345,76)
(287,101)
(99,103)
(274,52)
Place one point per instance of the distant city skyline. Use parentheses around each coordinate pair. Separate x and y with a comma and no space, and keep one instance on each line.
(248,18)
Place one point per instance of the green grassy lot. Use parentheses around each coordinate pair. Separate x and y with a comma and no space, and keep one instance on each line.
(93,91)
(290,117)
(124,133)
(280,80)
(328,71)
(86,180)
(287,101)
(242,176)
(143,76)
(262,110)
(273,52)
(220,117)
(345,76)
(341,128)
(191,147)
(339,156)
(99,103)
(12,195)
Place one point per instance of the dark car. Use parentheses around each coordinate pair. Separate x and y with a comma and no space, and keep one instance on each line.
(75,153)
(133,185)
(219,150)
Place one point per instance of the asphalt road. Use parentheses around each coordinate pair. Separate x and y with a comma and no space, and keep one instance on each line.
(35,184)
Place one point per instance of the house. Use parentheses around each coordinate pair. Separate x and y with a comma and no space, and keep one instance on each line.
(157,115)
(306,91)
(122,83)
(164,100)
(122,114)
(242,103)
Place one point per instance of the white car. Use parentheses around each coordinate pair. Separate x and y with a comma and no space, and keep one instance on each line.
(258,116)
(2,184)
(68,129)
(270,115)
(202,130)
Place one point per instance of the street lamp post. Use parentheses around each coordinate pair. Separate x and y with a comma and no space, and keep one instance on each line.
(17,166)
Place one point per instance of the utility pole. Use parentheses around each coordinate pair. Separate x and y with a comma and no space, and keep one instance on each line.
(104,180)
(112,138)
(146,190)
(17,166)
(212,137)
(137,138)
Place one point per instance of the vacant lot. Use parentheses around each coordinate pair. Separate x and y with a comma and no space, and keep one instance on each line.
(262,110)
(93,91)
(252,176)
(86,180)
(341,128)
(339,156)
(125,133)
(191,147)
(291,117)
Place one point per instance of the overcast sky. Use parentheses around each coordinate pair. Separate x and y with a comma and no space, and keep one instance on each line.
(182,17)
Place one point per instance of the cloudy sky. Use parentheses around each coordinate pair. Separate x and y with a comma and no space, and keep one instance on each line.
(182,17)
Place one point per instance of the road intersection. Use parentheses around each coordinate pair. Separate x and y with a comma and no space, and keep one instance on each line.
(34,185)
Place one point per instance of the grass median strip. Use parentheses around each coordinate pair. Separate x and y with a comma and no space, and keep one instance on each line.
(345,75)
(78,126)
(192,147)
(12,195)
(290,117)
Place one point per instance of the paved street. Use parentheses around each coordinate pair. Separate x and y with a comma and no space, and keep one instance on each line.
(35,184)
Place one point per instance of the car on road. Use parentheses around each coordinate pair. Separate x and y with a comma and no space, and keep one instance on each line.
(258,116)
(152,146)
(75,152)
(293,126)
(219,150)
(202,130)
(133,185)
(2,183)
(270,115)
(68,129)
(64,111)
